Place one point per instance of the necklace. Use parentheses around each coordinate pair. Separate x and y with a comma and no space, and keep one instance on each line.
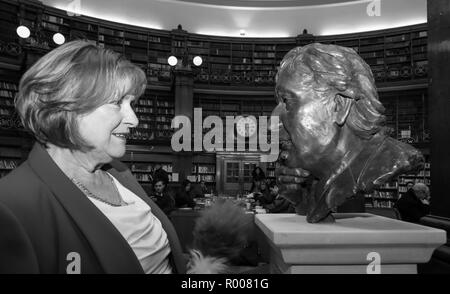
(88,193)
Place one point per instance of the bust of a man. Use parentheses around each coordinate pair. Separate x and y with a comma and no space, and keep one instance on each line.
(332,134)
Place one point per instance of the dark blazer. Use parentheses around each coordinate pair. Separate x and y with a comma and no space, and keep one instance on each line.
(44,217)
(184,199)
(165,202)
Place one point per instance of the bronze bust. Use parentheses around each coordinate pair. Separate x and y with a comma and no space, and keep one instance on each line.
(332,135)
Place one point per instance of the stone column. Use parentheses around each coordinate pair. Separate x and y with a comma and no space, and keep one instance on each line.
(184,96)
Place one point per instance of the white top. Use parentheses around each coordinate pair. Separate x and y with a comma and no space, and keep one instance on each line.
(142,230)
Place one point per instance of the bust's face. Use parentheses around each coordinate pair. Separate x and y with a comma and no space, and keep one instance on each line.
(308,119)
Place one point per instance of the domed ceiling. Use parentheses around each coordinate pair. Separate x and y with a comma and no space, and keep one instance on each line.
(255,18)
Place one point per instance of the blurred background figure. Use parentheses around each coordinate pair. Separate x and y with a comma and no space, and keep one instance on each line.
(409,185)
(160,174)
(263,196)
(414,204)
(204,188)
(184,197)
(258,174)
(279,204)
(162,197)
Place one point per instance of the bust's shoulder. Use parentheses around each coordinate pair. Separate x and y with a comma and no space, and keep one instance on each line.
(402,153)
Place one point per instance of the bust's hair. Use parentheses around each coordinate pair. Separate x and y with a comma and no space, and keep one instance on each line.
(72,80)
(339,71)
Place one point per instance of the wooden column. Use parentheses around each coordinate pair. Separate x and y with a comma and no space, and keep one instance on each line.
(439,101)
(439,110)
(184,96)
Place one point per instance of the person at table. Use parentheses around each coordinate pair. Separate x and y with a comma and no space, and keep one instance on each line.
(258,174)
(263,196)
(160,174)
(184,197)
(204,189)
(415,203)
(200,190)
(163,197)
(279,203)
(256,187)
(72,207)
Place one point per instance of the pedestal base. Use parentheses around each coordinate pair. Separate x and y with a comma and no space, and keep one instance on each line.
(357,243)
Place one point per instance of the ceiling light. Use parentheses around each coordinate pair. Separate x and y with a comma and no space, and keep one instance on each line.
(172,60)
(59,38)
(197,61)
(23,32)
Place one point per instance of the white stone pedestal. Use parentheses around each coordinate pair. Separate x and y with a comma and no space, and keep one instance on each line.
(356,243)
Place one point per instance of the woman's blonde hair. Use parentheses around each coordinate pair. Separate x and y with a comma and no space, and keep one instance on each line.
(69,81)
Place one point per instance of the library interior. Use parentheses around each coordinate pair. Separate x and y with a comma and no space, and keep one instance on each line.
(205,127)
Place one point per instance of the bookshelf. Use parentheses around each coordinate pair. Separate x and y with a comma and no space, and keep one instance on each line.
(155,111)
(241,63)
(8,116)
(394,55)
(423,176)
(270,171)
(264,67)
(245,64)
(143,171)
(389,193)
(7,164)
(141,162)
(205,172)
(407,115)
(384,197)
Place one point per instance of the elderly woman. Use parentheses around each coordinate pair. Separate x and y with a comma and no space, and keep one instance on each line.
(72,207)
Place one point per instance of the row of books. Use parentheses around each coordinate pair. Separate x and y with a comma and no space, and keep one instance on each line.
(7,94)
(202,169)
(380,204)
(8,86)
(404,181)
(6,102)
(10,123)
(8,164)
(6,112)
(382,194)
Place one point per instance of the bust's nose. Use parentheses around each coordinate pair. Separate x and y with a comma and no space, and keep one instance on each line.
(276,125)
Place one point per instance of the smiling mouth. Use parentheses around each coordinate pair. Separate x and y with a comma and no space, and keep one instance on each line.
(122,135)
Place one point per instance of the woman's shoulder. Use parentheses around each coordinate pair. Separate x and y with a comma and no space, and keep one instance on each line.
(19,178)
(20,187)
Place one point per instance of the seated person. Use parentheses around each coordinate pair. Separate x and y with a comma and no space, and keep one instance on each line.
(162,197)
(414,204)
(264,196)
(184,196)
(256,187)
(409,185)
(279,204)
(204,189)
(200,190)
(160,174)
(258,174)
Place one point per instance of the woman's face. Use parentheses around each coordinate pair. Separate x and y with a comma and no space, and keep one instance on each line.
(188,187)
(107,127)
